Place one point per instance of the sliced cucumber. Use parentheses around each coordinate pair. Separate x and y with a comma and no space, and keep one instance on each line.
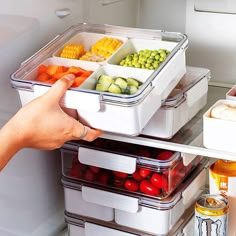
(105,79)
(132,81)
(114,88)
(121,82)
(131,89)
(102,87)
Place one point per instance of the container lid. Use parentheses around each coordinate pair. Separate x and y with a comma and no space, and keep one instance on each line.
(149,201)
(180,40)
(192,77)
(121,148)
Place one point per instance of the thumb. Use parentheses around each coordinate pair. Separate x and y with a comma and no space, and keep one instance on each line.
(59,88)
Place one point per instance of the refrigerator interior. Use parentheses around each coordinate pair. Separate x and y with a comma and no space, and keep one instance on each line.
(33,204)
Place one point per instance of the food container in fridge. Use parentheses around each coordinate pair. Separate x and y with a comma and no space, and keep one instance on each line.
(82,226)
(184,102)
(231,94)
(118,113)
(219,133)
(145,214)
(130,168)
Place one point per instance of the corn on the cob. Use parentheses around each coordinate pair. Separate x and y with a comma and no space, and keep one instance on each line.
(72,51)
(106,46)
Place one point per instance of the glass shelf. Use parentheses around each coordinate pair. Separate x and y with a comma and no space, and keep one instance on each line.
(189,138)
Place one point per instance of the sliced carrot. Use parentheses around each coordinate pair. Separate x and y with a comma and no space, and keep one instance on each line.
(52,69)
(43,77)
(76,70)
(78,81)
(59,75)
(42,68)
(87,73)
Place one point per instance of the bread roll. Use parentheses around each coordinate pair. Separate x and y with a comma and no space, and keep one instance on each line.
(224,112)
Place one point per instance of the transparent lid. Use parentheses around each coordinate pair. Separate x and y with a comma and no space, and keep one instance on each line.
(177,39)
(160,204)
(192,77)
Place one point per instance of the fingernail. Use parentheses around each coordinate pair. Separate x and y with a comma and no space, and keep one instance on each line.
(70,77)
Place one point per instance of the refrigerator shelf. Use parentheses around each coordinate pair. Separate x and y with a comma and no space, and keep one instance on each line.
(188,140)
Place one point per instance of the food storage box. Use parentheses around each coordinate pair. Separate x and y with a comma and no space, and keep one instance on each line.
(184,102)
(219,134)
(145,214)
(231,94)
(118,113)
(82,226)
(127,167)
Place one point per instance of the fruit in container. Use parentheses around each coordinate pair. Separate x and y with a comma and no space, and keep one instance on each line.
(145,59)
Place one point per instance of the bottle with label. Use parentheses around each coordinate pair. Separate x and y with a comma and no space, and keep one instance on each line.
(222,180)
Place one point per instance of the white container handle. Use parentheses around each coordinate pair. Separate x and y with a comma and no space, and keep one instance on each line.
(93,229)
(194,187)
(73,99)
(109,199)
(107,160)
(187,157)
(192,95)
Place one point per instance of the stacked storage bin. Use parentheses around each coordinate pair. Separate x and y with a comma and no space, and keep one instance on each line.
(112,187)
(131,189)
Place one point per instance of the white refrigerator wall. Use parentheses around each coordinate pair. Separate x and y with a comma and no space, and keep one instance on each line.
(211,34)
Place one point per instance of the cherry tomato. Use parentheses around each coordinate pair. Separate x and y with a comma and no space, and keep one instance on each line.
(137,176)
(103,177)
(144,153)
(165,155)
(75,160)
(76,172)
(144,173)
(159,181)
(131,185)
(89,175)
(119,174)
(147,188)
(118,182)
(94,169)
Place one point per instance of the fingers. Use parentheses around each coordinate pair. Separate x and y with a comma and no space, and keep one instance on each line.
(84,132)
(59,88)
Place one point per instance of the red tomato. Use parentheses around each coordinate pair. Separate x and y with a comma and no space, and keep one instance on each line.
(143,172)
(118,182)
(165,155)
(131,185)
(137,176)
(119,174)
(147,188)
(94,169)
(103,177)
(89,175)
(76,172)
(143,153)
(159,181)
(75,160)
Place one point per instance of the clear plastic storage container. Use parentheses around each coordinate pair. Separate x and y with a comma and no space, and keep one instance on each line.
(82,226)
(139,213)
(184,102)
(127,167)
(129,112)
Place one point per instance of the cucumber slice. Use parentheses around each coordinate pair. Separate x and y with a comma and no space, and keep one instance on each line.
(102,87)
(131,89)
(121,82)
(105,79)
(114,88)
(132,81)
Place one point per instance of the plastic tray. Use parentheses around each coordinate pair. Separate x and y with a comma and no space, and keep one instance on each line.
(130,113)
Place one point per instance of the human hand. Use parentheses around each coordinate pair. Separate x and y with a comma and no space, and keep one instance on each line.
(43,124)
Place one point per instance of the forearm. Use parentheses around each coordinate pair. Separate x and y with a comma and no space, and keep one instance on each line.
(10,144)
